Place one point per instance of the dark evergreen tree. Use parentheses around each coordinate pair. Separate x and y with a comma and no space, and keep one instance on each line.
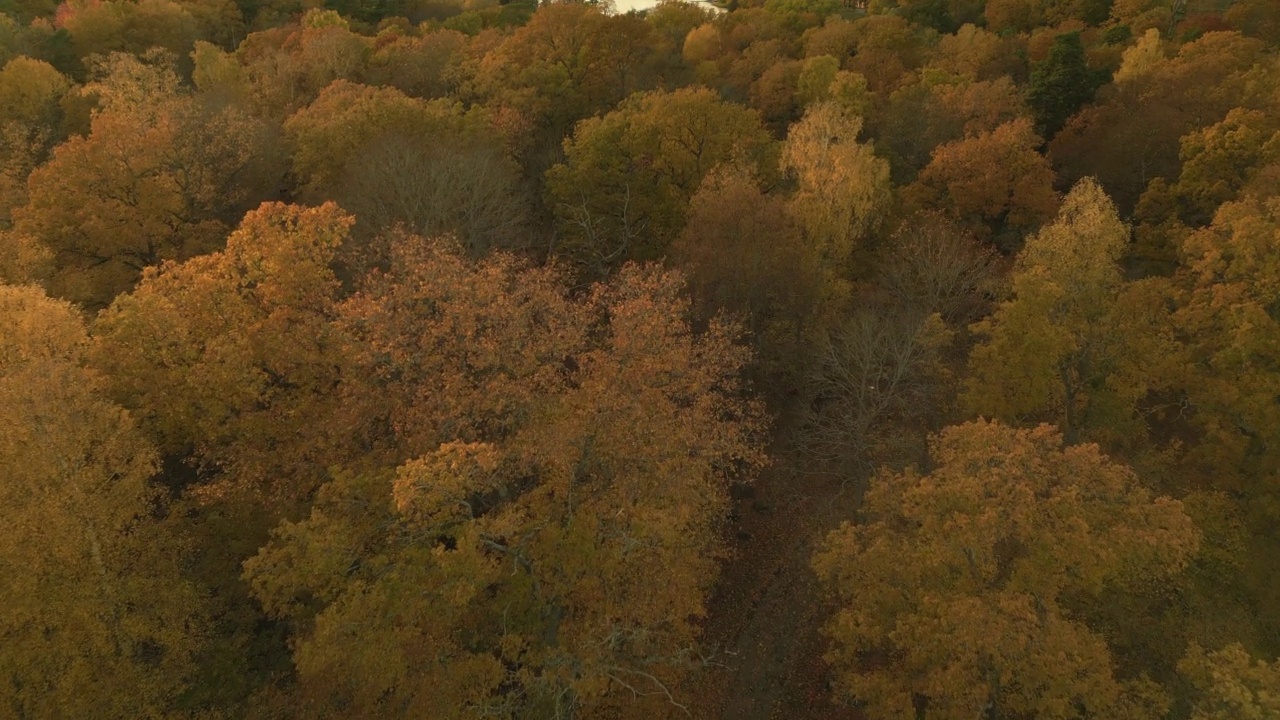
(930,13)
(1061,84)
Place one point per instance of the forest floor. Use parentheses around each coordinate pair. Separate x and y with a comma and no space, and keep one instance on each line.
(768,609)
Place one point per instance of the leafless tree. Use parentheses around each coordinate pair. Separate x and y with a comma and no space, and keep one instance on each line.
(934,266)
(869,381)
(471,191)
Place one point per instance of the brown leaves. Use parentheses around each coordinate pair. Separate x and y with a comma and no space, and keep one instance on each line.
(993,182)
(562,452)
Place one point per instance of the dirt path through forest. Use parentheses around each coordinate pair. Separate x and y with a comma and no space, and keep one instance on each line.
(768,608)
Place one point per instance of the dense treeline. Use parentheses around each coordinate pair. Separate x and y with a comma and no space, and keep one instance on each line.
(402,358)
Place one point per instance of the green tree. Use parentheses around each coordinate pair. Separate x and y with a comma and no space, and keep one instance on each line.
(956,590)
(30,92)
(1061,84)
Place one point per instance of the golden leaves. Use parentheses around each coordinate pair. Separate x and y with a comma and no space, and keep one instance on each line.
(232,354)
(844,187)
(1075,341)
(951,588)
(97,620)
(438,489)
(1231,685)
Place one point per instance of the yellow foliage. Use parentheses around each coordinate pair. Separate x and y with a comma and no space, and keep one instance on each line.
(97,620)
(843,192)
(953,588)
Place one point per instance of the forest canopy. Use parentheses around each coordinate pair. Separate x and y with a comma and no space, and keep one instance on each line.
(748,359)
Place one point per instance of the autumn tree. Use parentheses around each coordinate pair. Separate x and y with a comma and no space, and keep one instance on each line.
(672,22)
(1221,160)
(836,37)
(821,79)
(99,28)
(1255,18)
(1229,321)
(933,265)
(956,590)
(871,380)
(978,53)
(995,183)
(97,619)
(285,68)
(31,93)
(1231,685)
(562,453)
(1238,156)
(775,92)
(1130,135)
(1233,277)
(1075,343)
(843,190)
(429,66)
(232,356)
(568,62)
(735,51)
(939,109)
(162,175)
(1013,15)
(888,48)
(624,188)
(745,255)
(391,159)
